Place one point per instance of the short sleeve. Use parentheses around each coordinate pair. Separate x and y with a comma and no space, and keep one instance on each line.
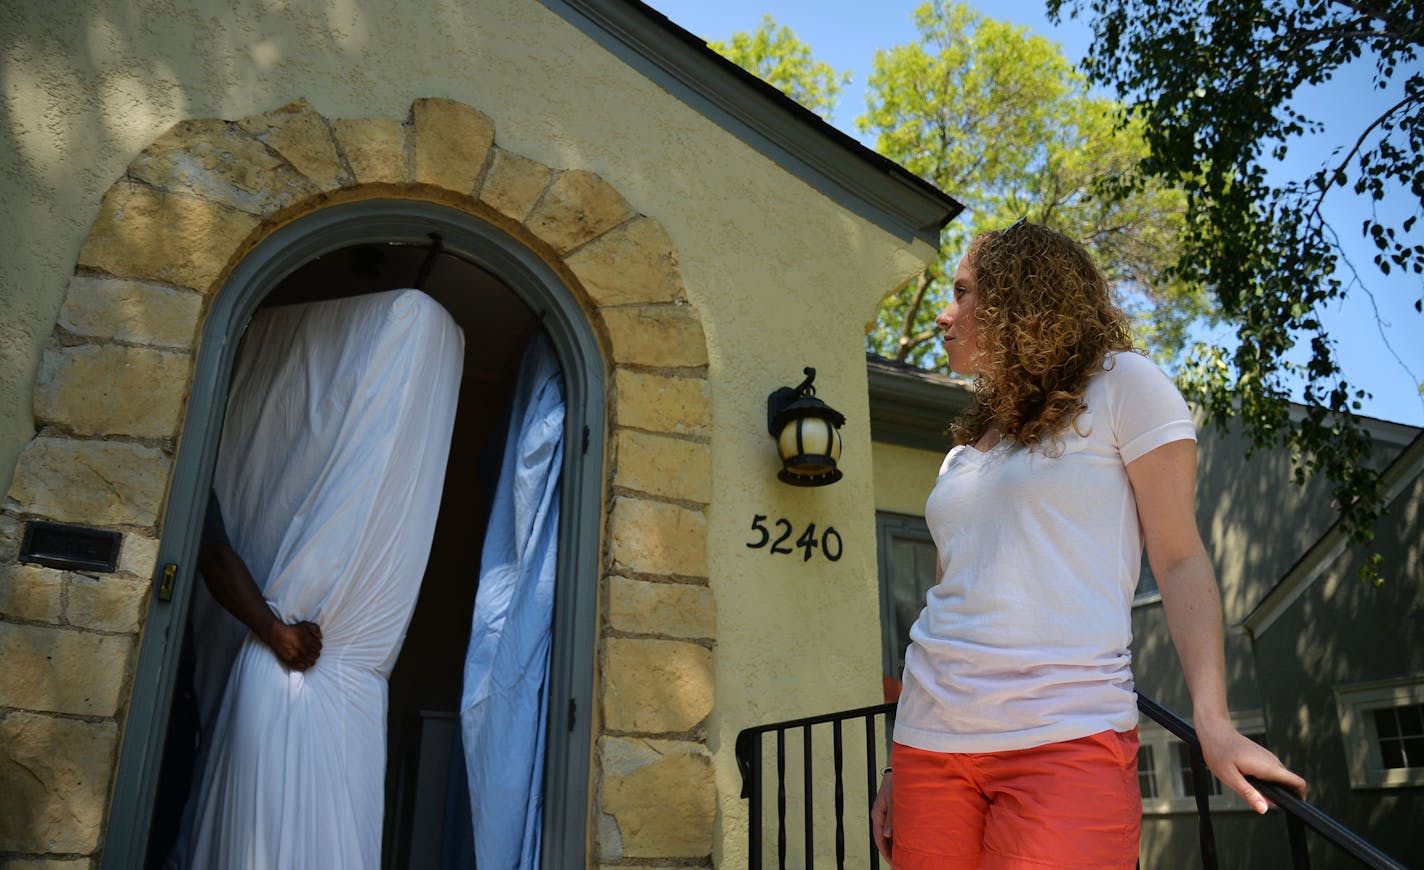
(1145,407)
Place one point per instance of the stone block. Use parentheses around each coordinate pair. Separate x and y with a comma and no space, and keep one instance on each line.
(375,149)
(96,389)
(220,162)
(513,184)
(155,236)
(31,592)
(56,783)
(660,336)
(106,603)
(452,142)
(671,404)
(48,864)
(12,531)
(138,556)
(660,795)
(114,308)
(633,264)
(678,610)
(577,208)
(663,466)
(61,670)
(654,686)
(649,537)
(299,133)
(106,483)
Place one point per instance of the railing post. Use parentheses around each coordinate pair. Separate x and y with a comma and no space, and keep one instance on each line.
(781,800)
(808,829)
(1300,852)
(870,788)
(837,754)
(1201,790)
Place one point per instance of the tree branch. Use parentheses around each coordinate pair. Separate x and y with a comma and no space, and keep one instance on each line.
(1380,12)
(1330,180)
(905,343)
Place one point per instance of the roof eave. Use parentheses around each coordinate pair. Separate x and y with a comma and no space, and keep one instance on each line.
(854,176)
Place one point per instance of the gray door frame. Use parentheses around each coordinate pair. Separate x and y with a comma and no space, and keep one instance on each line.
(569,751)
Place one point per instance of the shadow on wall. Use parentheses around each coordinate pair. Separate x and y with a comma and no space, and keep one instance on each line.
(1341,632)
(86,86)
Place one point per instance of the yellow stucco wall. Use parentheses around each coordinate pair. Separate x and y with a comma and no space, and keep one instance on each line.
(904,477)
(782,277)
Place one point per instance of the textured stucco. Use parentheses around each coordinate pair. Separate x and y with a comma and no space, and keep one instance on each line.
(904,477)
(783,278)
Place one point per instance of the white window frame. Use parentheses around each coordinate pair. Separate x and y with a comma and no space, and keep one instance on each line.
(1172,797)
(1355,703)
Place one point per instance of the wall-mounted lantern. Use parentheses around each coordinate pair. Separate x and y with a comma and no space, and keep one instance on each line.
(807,433)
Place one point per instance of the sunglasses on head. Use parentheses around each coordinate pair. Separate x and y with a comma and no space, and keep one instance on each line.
(1013,226)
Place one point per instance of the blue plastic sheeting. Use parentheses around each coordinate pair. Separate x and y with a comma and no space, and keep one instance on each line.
(504,704)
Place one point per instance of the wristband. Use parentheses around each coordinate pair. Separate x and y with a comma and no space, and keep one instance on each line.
(885,771)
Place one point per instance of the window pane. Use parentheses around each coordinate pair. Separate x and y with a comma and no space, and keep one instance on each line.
(1386,723)
(1392,753)
(1413,751)
(1146,772)
(908,565)
(1184,773)
(1146,580)
(1411,720)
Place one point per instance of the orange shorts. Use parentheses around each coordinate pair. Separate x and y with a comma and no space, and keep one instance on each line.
(1073,804)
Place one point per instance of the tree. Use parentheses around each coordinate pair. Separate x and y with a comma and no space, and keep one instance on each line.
(1211,85)
(1001,120)
(775,55)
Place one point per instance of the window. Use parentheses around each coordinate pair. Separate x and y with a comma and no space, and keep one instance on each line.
(1382,724)
(1185,788)
(1147,592)
(1401,736)
(1146,772)
(1164,770)
(907,566)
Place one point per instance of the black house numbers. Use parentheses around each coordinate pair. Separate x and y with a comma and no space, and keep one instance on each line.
(808,542)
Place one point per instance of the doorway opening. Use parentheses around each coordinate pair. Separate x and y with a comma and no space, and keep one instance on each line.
(384,251)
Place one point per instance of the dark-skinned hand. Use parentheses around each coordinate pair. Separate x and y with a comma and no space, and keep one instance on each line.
(298,645)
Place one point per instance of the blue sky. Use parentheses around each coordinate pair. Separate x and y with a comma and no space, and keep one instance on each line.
(847,33)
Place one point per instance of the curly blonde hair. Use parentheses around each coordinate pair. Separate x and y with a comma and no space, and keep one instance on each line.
(1045,322)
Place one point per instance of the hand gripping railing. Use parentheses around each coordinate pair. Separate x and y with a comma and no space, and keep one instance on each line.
(1299,815)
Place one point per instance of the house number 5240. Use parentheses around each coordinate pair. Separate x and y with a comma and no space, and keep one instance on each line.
(829,540)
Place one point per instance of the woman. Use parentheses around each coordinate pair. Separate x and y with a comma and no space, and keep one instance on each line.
(1015,737)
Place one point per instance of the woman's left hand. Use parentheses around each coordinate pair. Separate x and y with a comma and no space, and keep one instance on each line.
(1232,757)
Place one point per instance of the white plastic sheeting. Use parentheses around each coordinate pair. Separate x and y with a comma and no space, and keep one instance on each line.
(504,703)
(329,474)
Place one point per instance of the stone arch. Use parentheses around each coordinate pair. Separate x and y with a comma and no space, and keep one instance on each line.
(116,380)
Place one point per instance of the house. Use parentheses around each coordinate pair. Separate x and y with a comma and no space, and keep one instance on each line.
(687,238)
(1325,670)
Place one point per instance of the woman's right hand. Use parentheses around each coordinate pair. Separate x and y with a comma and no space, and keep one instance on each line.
(880,815)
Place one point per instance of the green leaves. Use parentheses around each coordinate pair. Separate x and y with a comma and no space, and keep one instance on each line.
(1001,120)
(1211,83)
(775,55)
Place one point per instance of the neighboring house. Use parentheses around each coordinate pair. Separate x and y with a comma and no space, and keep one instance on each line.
(1324,669)
(688,238)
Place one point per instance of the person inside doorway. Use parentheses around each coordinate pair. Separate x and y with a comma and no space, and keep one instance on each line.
(297,645)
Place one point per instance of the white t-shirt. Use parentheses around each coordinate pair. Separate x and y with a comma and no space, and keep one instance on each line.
(1024,640)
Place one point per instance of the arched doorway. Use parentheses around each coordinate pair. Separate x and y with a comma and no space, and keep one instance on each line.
(210,218)
(490,282)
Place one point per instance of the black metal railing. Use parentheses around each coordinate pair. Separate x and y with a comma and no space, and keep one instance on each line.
(749,761)
(874,726)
